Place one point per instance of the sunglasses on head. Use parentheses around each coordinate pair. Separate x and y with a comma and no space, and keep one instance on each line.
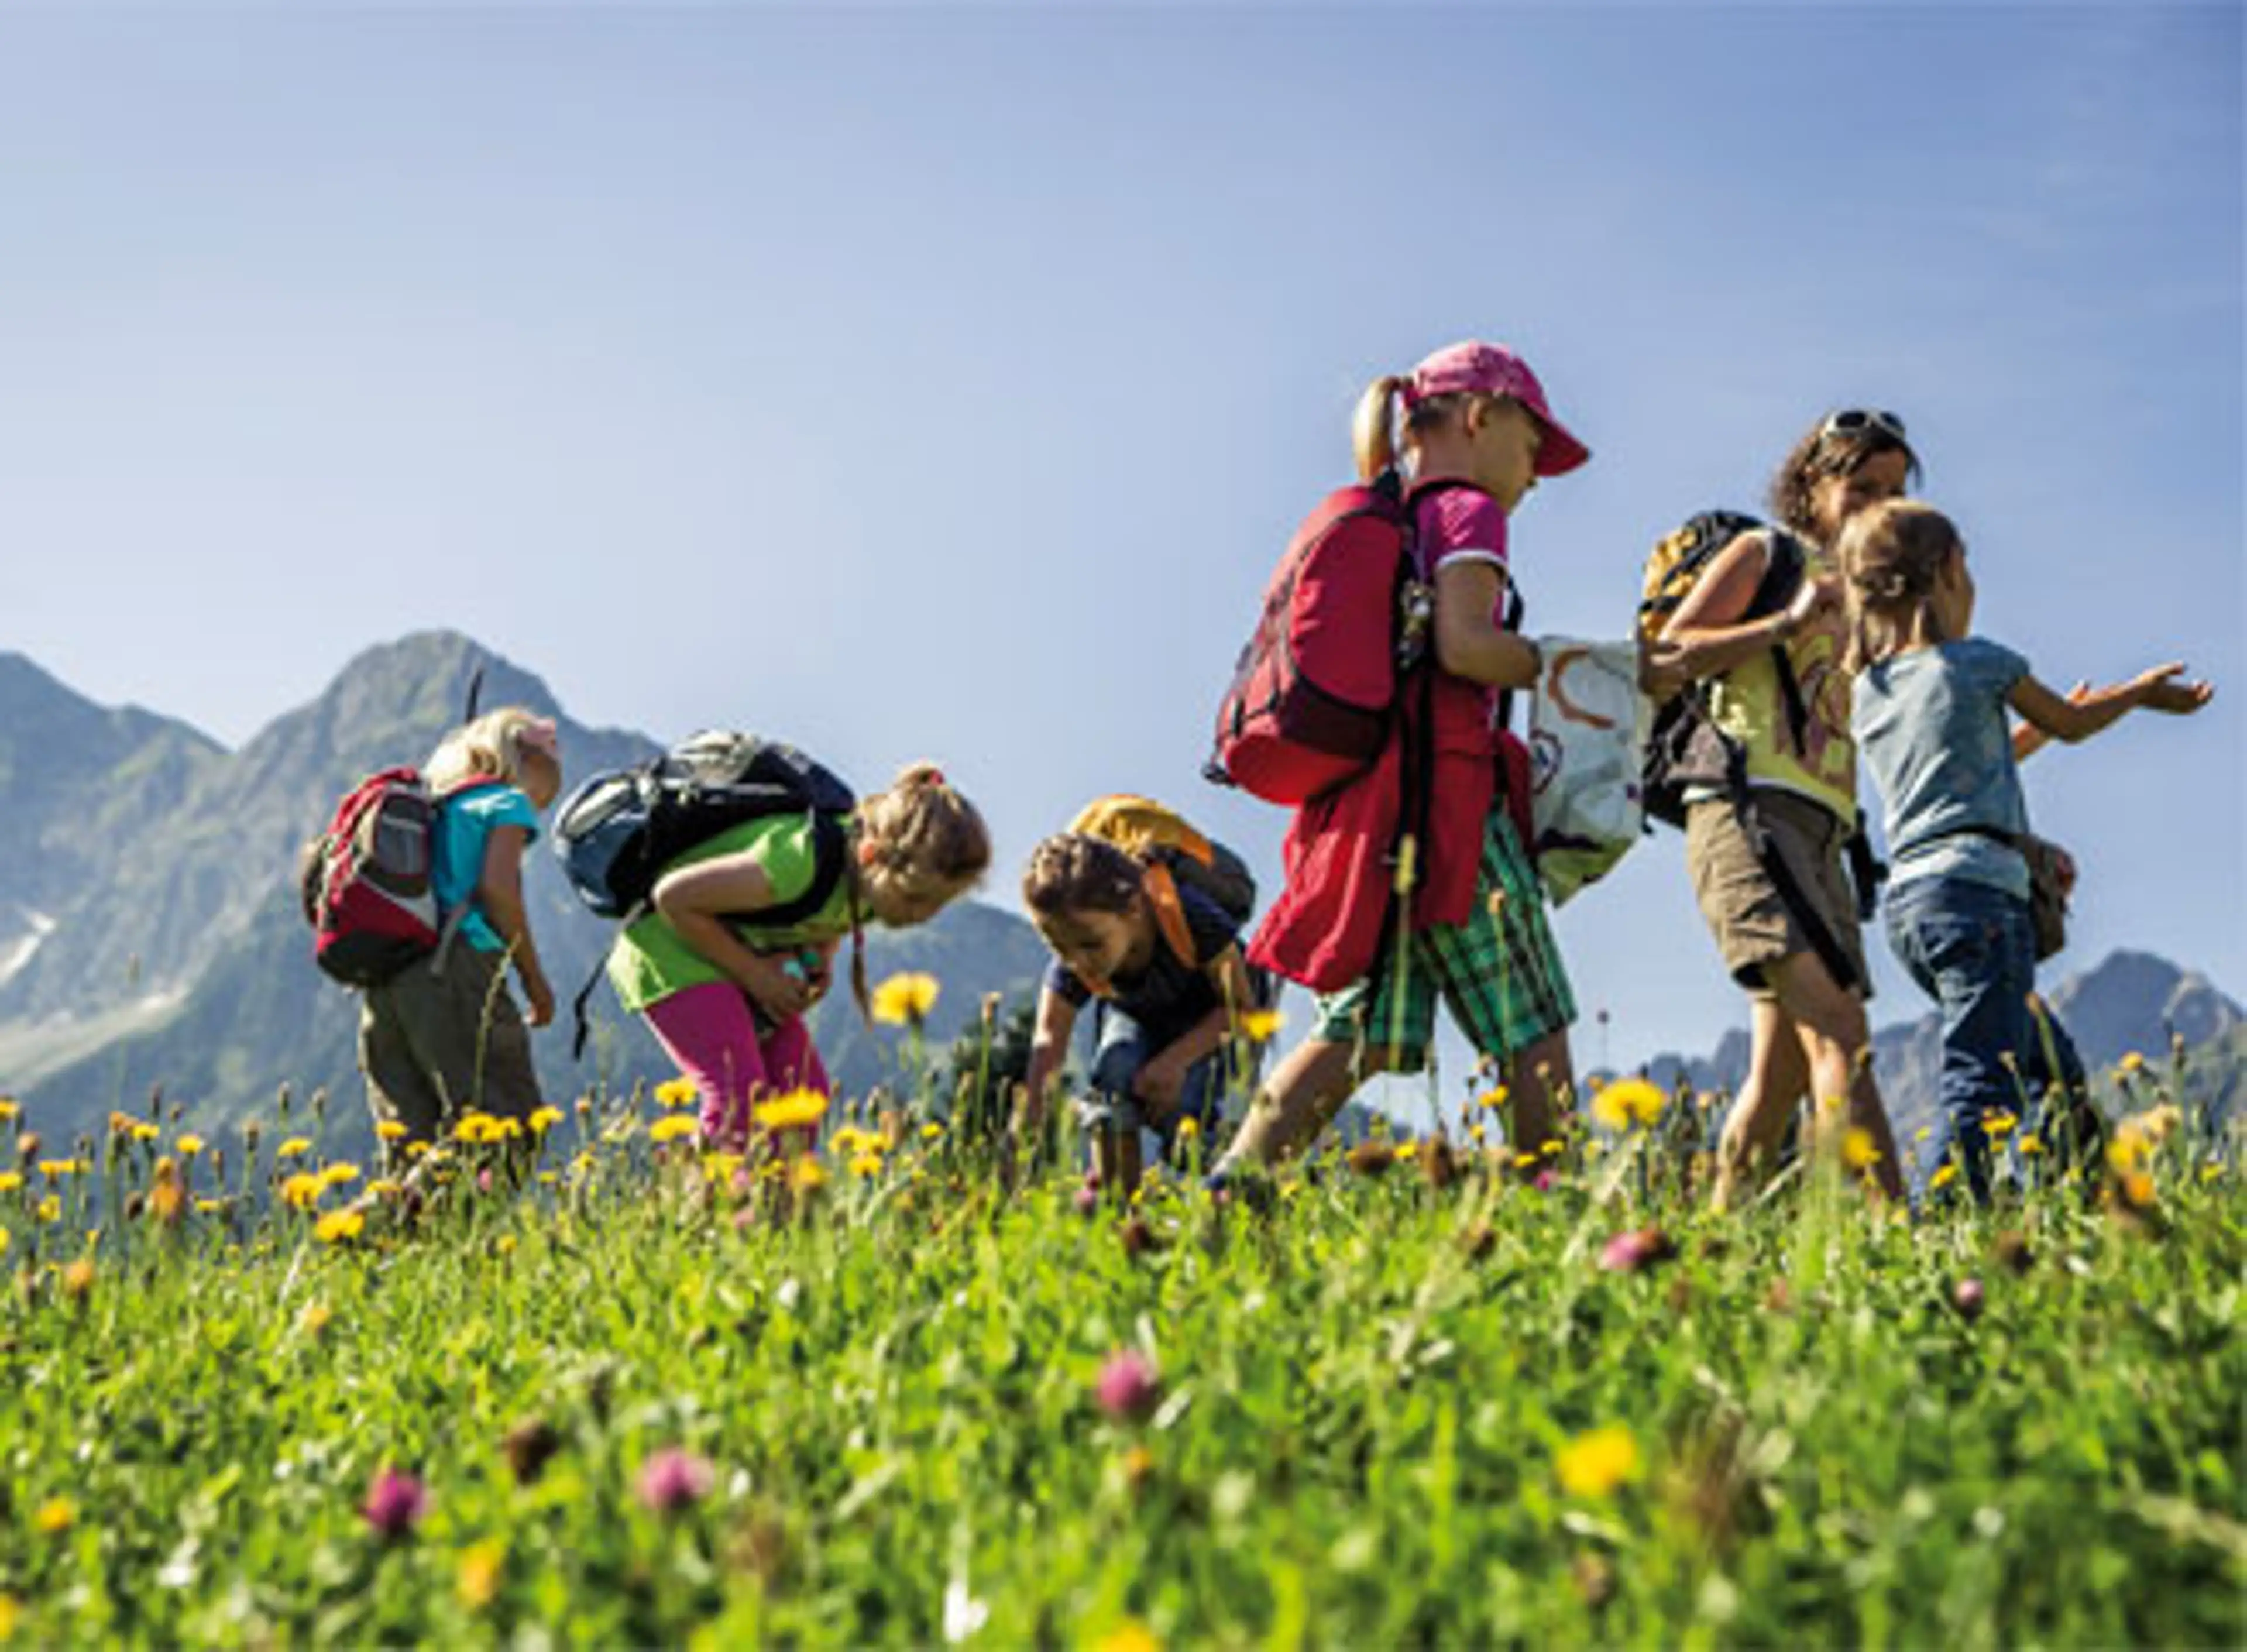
(1856,423)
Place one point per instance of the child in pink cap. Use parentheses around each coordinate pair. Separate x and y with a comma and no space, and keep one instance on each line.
(1473,432)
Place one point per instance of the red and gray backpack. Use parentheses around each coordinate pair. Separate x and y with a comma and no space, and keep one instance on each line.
(366,880)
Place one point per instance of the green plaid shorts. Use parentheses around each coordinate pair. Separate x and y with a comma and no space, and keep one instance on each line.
(1500,973)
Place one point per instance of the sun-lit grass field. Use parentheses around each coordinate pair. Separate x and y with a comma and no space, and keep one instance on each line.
(653,1397)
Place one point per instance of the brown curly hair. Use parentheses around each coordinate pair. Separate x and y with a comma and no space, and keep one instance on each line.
(1821,453)
(1070,872)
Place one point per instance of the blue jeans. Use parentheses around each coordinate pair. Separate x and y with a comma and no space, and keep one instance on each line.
(1124,1046)
(1972,948)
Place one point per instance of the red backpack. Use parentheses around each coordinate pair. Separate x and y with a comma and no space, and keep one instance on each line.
(1312,694)
(366,880)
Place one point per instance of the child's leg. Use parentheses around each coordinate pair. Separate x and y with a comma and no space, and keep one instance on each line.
(711,1035)
(398,1090)
(1970,947)
(1755,1130)
(1501,975)
(1305,1091)
(1829,1022)
(1122,1051)
(791,1062)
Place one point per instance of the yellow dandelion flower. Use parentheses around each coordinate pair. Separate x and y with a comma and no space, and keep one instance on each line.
(905,999)
(210,1206)
(544,1119)
(2031,1146)
(1130,1635)
(719,1168)
(1594,1464)
(1257,1026)
(295,1147)
(2138,1189)
(671,1128)
(481,1567)
(1857,1150)
(504,1245)
(10,1109)
(2210,1172)
(2130,1064)
(190,1146)
(336,1175)
(1944,1175)
(2128,1148)
(1523,1161)
(50,1209)
(145,1132)
(1629,1102)
(314,1318)
(930,1132)
(676,1092)
(866,1165)
(1996,1124)
(795,1110)
(1495,1097)
(1189,1127)
(475,1128)
(303,1191)
(390,1130)
(56,1514)
(807,1174)
(55,1168)
(10,1181)
(1404,1150)
(1476,1134)
(11,1613)
(339,1225)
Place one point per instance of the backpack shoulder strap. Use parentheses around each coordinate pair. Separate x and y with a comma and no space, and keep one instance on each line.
(1160,886)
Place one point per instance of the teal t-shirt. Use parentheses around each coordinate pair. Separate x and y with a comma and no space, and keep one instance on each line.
(465,820)
(650,962)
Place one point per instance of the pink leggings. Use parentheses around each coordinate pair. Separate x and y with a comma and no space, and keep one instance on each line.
(712,1033)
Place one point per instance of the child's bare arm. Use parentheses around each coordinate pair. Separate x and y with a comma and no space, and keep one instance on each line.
(1049,1050)
(2029,740)
(696,900)
(2073,718)
(1707,636)
(499,893)
(1469,642)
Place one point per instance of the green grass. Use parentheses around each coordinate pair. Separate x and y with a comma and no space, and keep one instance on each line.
(1363,1397)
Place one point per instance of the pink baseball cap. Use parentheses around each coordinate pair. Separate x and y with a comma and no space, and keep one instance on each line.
(1497,370)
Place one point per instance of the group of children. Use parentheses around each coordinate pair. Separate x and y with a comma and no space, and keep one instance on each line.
(1867,647)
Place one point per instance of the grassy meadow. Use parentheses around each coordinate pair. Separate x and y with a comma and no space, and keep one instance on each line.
(657,1398)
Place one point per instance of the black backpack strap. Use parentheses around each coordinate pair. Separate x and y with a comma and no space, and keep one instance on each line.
(579,1004)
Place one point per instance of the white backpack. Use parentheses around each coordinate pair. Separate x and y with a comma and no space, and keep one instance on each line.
(1587,725)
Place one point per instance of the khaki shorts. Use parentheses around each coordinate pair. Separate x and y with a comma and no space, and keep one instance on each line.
(435,1043)
(1753,926)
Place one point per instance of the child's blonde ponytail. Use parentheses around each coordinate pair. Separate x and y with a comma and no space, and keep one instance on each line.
(1373,428)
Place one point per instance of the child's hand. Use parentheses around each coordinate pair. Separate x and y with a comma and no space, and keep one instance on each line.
(2158,690)
(1158,1086)
(773,989)
(539,992)
(1812,598)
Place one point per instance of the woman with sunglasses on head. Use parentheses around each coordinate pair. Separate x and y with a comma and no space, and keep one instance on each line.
(1766,858)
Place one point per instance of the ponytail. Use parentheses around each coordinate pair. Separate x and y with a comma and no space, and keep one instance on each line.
(1373,428)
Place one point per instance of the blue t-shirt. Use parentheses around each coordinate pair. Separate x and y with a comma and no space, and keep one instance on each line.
(1172,992)
(1932,732)
(465,820)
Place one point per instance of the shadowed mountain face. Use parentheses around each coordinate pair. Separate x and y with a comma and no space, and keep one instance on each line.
(153,939)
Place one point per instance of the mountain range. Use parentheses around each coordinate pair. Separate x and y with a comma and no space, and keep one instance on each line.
(151,942)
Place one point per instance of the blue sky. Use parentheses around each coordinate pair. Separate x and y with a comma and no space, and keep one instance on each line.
(945,381)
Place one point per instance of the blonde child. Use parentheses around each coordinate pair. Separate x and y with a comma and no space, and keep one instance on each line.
(1476,436)
(1164,961)
(444,1036)
(726,995)
(1929,718)
(1769,878)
